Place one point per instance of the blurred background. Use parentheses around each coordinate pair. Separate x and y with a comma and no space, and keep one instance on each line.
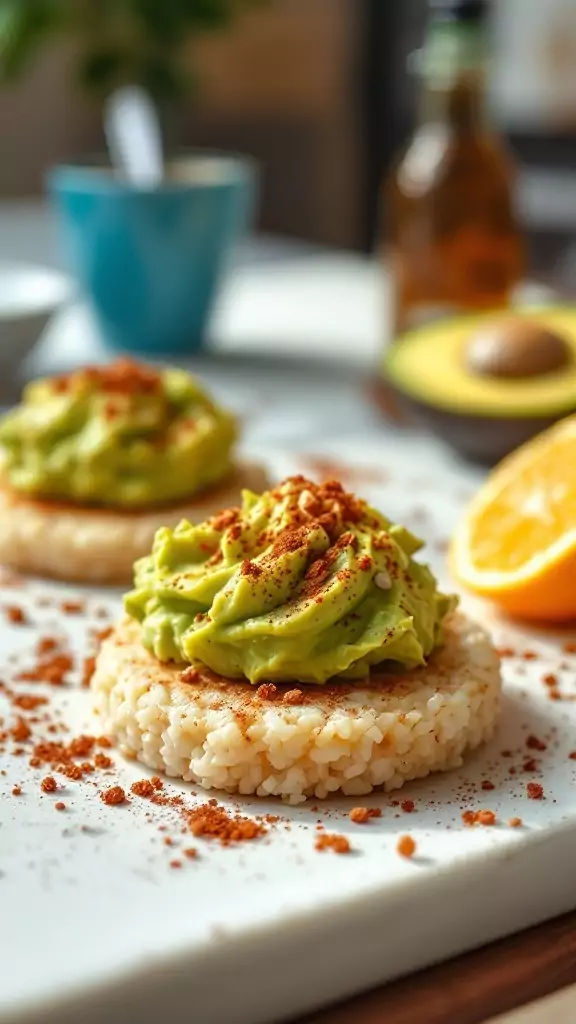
(322,97)
(319,92)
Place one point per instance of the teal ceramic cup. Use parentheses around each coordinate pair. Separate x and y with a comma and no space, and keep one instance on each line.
(150,261)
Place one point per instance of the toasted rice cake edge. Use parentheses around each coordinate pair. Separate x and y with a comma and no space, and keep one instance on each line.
(301,741)
(99,546)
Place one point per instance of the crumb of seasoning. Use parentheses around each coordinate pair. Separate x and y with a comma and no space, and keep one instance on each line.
(72,607)
(101,761)
(529,655)
(332,841)
(210,821)
(112,796)
(144,787)
(191,852)
(267,691)
(60,806)
(535,791)
(506,652)
(550,679)
(569,647)
(534,743)
(483,817)
(515,822)
(360,815)
(49,784)
(487,785)
(88,668)
(408,806)
(175,863)
(21,731)
(17,791)
(572,755)
(15,615)
(292,697)
(406,846)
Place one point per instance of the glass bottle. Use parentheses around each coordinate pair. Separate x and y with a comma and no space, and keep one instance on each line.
(452,244)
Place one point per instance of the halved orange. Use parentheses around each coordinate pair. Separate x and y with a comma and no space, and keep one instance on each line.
(517,542)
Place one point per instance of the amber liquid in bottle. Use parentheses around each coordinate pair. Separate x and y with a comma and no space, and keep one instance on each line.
(453,244)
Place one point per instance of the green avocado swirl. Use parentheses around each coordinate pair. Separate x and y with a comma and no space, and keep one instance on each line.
(303,583)
(122,435)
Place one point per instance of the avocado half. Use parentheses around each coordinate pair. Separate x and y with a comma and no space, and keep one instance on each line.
(481,415)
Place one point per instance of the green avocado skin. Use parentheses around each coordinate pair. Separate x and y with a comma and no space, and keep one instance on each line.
(269,592)
(85,444)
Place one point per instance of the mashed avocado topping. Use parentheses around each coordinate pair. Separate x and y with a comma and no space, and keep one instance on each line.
(302,583)
(122,435)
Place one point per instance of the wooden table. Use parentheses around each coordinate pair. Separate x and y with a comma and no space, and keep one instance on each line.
(476,987)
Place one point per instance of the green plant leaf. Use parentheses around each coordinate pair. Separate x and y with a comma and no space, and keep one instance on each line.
(23,25)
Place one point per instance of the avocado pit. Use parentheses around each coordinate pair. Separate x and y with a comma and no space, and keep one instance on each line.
(516,348)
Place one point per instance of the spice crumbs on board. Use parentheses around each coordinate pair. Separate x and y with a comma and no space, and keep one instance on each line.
(406,846)
(535,791)
(361,815)
(515,822)
(15,615)
(114,795)
(483,817)
(533,743)
(332,841)
(212,821)
(17,791)
(408,806)
(60,806)
(49,784)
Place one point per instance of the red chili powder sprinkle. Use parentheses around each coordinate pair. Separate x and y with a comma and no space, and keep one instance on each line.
(406,846)
(530,766)
(332,841)
(535,791)
(17,790)
(157,782)
(479,818)
(103,741)
(486,818)
(114,795)
(190,675)
(143,788)
(213,822)
(550,679)
(49,670)
(529,655)
(15,615)
(572,755)
(267,691)
(292,697)
(46,645)
(28,702)
(360,815)
(49,784)
(515,822)
(533,743)
(101,761)
(21,731)
(72,607)
(486,784)
(506,652)
(88,668)
(569,647)
(60,806)
(408,806)
(191,852)
(175,863)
